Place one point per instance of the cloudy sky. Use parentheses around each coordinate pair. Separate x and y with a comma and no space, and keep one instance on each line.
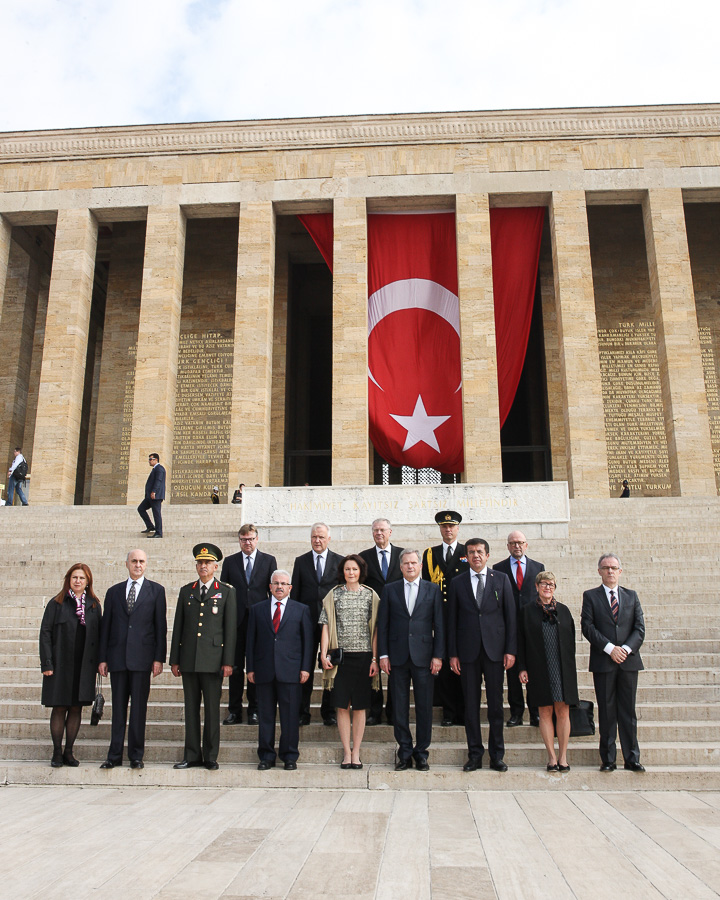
(71,63)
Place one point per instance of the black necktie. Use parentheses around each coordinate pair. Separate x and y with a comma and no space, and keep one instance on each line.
(203,592)
(448,555)
(248,569)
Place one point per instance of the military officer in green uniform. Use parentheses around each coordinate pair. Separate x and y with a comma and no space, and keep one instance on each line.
(202,652)
(441,564)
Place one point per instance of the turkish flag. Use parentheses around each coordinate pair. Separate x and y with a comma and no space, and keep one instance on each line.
(415,398)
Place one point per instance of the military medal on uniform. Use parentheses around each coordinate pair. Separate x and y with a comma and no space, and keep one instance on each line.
(216,597)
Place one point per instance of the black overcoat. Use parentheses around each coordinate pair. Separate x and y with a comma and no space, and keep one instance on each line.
(531,655)
(57,652)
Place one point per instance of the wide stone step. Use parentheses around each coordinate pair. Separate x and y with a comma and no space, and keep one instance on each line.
(450,754)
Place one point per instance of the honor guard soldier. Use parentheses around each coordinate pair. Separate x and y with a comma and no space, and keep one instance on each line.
(203,652)
(440,565)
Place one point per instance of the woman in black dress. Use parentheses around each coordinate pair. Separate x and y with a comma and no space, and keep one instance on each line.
(348,622)
(546,663)
(69,646)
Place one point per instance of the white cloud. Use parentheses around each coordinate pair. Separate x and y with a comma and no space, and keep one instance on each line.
(69,63)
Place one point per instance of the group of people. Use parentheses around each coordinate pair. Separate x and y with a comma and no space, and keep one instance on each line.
(441,621)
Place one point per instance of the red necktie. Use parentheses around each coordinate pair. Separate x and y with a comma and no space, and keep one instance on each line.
(519,575)
(276,617)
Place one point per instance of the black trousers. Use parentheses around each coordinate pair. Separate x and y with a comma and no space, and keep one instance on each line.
(516,700)
(423,683)
(285,697)
(208,686)
(236,682)
(327,710)
(135,688)
(616,692)
(156,506)
(449,694)
(472,675)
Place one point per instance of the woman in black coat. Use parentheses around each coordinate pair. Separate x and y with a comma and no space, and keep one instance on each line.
(546,664)
(69,647)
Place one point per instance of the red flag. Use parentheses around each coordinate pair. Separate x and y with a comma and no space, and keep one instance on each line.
(415,399)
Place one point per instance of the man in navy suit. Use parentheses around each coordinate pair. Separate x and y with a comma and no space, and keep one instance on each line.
(249,573)
(279,654)
(612,620)
(133,644)
(521,570)
(154,496)
(314,574)
(383,562)
(482,643)
(411,645)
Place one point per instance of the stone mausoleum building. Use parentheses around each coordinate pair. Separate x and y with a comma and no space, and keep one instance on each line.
(159,293)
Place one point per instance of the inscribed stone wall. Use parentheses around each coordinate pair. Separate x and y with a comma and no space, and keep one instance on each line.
(205,362)
(632,398)
(703,232)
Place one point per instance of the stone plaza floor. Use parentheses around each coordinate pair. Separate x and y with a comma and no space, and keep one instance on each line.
(176,844)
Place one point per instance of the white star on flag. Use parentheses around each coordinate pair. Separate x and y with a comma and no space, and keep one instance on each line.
(420,426)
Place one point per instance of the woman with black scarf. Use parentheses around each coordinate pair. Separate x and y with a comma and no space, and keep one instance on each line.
(546,664)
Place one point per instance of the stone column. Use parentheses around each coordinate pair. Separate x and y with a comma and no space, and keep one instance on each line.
(585,443)
(683,384)
(279,367)
(350,462)
(5,238)
(252,363)
(153,417)
(62,377)
(481,410)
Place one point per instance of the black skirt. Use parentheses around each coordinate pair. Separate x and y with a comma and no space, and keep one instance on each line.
(353,684)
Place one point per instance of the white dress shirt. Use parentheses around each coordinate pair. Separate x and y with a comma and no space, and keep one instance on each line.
(138,585)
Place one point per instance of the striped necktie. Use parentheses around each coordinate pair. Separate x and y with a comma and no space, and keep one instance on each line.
(614,606)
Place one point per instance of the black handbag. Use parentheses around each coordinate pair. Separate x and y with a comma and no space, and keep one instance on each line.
(582,722)
(335,656)
(98,703)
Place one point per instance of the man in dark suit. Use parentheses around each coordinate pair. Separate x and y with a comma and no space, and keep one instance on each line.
(383,562)
(314,574)
(522,571)
(249,573)
(612,620)
(203,651)
(441,564)
(279,660)
(133,645)
(482,643)
(154,496)
(411,645)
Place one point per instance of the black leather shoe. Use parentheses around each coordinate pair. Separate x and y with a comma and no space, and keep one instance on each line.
(373,720)
(69,760)
(186,765)
(156,535)
(57,761)
(252,718)
(608,767)
(446,723)
(305,718)
(212,766)
(513,721)
(266,764)
(403,764)
(473,764)
(107,764)
(535,721)
(331,720)
(232,719)
(499,765)
(137,764)
(422,765)
(290,765)
(148,531)
(635,767)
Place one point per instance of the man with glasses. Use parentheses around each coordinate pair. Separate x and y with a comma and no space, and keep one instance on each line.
(202,652)
(280,651)
(154,496)
(522,571)
(249,573)
(612,621)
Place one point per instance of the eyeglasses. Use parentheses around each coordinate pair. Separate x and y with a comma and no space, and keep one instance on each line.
(516,543)
(275,584)
(609,568)
(546,584)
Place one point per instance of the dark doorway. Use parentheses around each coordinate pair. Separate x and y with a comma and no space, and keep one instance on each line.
(524,438)
(308,417)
